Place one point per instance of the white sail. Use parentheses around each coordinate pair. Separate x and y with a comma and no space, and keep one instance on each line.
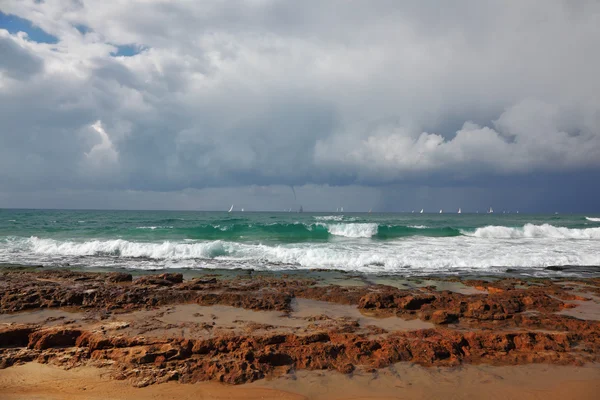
(242,210)
(341,209)
(230,209)
(441,211)
(370,209)
(421,212)
(459,211)
(491,211)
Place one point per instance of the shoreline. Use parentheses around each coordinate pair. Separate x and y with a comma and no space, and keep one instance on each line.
(256,329)
(400,381)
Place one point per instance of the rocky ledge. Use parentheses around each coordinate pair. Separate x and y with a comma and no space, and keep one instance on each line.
(158,328)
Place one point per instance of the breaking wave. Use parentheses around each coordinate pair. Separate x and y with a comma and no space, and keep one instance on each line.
(411,256)
(124,248)
(593,219)
(534,231)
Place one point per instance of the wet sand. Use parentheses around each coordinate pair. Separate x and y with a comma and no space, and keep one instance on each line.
(400,381)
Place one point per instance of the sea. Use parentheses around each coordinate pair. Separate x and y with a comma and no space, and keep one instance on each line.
(400,244)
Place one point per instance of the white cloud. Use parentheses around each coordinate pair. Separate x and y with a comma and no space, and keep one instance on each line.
(278,92)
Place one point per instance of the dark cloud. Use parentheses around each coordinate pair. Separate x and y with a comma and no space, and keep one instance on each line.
(233,94)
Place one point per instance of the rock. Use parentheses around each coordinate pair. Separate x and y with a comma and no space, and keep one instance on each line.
(53,337)
(167,279)
(414,302)
(118,277)
(376,300)
(15,335)
(443,317)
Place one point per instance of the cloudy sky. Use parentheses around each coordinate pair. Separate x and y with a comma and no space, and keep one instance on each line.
(390,105)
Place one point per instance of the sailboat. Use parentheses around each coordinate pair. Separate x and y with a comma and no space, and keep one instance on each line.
(459,211)
(441,211)
(231,208)
(242,210)
(370,209)
(421,212)
(301,209)
(491,211)
(413,211)
(341,209)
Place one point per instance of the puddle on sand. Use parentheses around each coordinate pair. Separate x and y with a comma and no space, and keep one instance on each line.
(195,321)
(587,310)
(439,285)
(47,316)
(304,308)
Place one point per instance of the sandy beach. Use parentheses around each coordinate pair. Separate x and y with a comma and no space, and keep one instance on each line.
(78,335)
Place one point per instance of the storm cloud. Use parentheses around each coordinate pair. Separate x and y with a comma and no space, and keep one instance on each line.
(157,96)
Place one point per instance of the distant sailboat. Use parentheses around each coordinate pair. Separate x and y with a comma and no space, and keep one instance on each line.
(337,209)
(370,209)
(517,211)
(301,209)
(413,211)
(231,208)
(341,209)
(421,212)
(242,210)
(441,211)
(491,211)
(459,211)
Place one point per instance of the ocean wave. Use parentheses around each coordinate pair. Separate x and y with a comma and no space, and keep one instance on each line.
(365,230)
(428,255)
(124,248)
(593,219)
(534,231)
(299,231)
(154,227)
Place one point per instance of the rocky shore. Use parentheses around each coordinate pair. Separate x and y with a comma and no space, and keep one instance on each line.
(158,328)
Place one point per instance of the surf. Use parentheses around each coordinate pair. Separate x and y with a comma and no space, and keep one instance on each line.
(530,231)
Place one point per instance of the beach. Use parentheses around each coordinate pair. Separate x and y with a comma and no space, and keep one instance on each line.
(78,334)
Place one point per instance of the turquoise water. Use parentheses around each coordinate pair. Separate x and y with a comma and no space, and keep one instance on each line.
(407,244)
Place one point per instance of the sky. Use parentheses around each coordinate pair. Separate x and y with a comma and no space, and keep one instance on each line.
(389,105)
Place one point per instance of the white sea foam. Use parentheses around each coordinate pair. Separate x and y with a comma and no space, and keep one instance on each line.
(154,227)
(365,230)
(486,251)
(534,231)
(124,248)
(418,226)
(593,219)
(329,217)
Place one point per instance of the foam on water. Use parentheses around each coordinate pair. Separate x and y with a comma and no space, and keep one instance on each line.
(410,256)
(593,219)
(365,230)
(534,231)
(329,217)
(124,248)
